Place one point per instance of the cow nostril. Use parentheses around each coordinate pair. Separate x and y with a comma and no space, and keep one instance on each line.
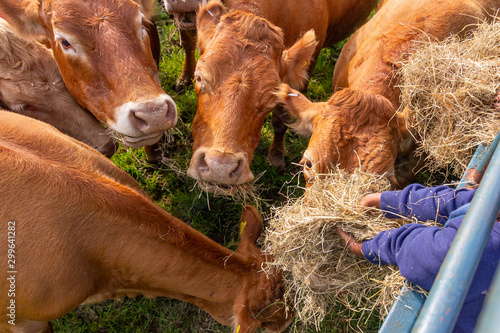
(137,120)
(203,167)
(238,171)
(171,114)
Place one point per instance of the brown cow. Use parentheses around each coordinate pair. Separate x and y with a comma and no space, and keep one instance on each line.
(243,59)
(30,84)
(184,13)
(359,125)
(80,230)
(103,52)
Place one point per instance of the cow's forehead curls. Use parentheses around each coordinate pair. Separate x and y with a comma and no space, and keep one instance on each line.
(252,29)
(88,15)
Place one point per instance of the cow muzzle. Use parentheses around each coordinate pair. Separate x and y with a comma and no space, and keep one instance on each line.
(142,123)
(217,167)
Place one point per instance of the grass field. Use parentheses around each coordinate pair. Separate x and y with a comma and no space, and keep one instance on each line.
(216,217)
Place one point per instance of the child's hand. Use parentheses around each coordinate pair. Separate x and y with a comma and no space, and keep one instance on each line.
(351,243)
(371,200)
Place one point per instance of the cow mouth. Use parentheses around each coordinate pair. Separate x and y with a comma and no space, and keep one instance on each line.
(244,192)
(136,142)
(185,20)
(216,188)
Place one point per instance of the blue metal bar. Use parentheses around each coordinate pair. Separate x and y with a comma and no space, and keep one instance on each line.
(489,320)
(478,159)
(489,153)
(404,311)
(448,292)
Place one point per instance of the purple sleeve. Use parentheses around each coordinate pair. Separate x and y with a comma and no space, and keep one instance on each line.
(417,250)
(424,204)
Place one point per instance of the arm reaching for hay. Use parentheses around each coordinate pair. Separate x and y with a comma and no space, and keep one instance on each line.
(424,203)
(418,250)
(415,201)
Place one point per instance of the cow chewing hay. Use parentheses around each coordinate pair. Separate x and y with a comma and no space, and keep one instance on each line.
(450,88)
(318,270)
(244,193)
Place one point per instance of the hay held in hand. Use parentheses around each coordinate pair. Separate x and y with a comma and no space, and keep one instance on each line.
(450,88)
(318,270)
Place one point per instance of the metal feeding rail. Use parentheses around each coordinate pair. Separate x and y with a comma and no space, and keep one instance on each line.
(412,311)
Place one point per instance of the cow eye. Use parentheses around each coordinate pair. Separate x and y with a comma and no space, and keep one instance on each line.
(144,31)
(197,79)
(307,163)
(307,168)
(200,85)
(65,44)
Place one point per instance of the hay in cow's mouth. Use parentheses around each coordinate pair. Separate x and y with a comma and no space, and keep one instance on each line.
(318,271)
(450,88)
(244,193)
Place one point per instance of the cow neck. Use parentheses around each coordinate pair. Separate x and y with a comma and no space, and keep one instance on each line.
(162,256)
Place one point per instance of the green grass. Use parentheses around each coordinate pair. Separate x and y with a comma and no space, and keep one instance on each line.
(217,217)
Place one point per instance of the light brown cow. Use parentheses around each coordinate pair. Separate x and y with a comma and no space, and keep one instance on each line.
(30,84)
(359,125)
(244,56)
(103,52)
(80,230)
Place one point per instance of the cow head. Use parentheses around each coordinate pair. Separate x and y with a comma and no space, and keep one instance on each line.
(184,12)
(242,61)
(352,129)
(30,84)
(260,303)
(104,56)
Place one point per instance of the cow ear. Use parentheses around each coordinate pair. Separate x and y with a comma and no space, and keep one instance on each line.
(250,230)
(403,119)
(24,16)
(206,21)
(147,7)
(295,61)
(303,110)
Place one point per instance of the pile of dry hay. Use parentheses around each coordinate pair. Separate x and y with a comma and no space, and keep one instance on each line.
(450,87)
(318,270)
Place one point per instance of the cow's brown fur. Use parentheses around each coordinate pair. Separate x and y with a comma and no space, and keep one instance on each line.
(30,84)
(86,232)
(104,56)
(366,134)
(247,48)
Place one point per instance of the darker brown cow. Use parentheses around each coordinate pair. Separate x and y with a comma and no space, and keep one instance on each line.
(244,56)
(30,84)
(82,231)
(103,52)
(359,125)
